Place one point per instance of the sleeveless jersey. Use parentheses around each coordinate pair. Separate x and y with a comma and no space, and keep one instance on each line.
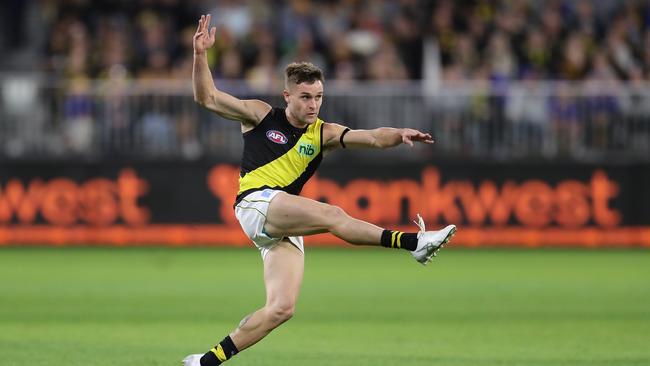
(278,155)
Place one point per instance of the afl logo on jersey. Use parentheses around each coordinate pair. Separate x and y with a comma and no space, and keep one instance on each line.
(276,136)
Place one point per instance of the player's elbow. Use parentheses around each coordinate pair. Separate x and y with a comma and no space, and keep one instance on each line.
(200,100)
(203,97)
(207,103)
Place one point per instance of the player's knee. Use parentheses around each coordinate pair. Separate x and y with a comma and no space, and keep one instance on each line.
(279,313)
(334,215)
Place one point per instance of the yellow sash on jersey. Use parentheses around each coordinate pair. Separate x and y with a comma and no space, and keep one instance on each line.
(284,170)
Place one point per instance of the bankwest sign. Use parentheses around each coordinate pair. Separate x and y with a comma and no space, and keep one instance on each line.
(188,204)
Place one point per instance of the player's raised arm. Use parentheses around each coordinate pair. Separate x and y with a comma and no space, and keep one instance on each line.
(337,136)
(248,112)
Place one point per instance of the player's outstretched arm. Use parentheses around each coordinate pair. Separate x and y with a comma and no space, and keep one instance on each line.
(248,112)
(334,136)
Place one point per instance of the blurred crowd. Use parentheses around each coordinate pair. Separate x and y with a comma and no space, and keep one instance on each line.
(487,43)
(353,39)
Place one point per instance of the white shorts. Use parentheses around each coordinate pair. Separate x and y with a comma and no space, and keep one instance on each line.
(251,213)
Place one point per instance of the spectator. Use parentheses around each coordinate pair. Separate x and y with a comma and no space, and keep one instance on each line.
(604,127)
(154,131)
(575,58)
(563,111)
(442,29)
(114,118)
(584,20)
(233,17)
(304,50)
(113,47)
(344,67)
(263,75)
(78,125)
(465,54)
(408,41)
(385,64)
(526,111)
(536,53)
(500,57)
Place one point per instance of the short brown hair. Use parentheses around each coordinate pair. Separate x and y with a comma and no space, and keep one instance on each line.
(300,72)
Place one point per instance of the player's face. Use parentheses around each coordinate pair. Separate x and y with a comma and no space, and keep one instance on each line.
(304,101)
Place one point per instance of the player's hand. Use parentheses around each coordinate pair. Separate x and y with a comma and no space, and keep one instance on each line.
(409,136)
(204,38)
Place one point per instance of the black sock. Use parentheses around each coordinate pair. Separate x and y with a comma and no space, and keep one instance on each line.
(399,240)
(220,353)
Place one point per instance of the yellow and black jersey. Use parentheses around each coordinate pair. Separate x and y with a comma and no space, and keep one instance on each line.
(278,155)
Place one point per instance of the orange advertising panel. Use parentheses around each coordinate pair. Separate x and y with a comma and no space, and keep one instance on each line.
(191,204)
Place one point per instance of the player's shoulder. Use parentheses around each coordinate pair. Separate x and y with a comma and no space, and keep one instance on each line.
(276,113)
(273,116)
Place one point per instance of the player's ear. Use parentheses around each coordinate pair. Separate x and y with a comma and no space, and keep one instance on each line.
(285,94)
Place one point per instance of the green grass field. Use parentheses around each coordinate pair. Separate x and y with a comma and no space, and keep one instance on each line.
(88,306)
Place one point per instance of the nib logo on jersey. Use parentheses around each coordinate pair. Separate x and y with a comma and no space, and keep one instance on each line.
(277,137)
(306,149)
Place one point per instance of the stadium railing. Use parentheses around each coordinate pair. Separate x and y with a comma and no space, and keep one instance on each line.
(43,118)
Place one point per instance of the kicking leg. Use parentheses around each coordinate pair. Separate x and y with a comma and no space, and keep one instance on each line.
(291,215)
